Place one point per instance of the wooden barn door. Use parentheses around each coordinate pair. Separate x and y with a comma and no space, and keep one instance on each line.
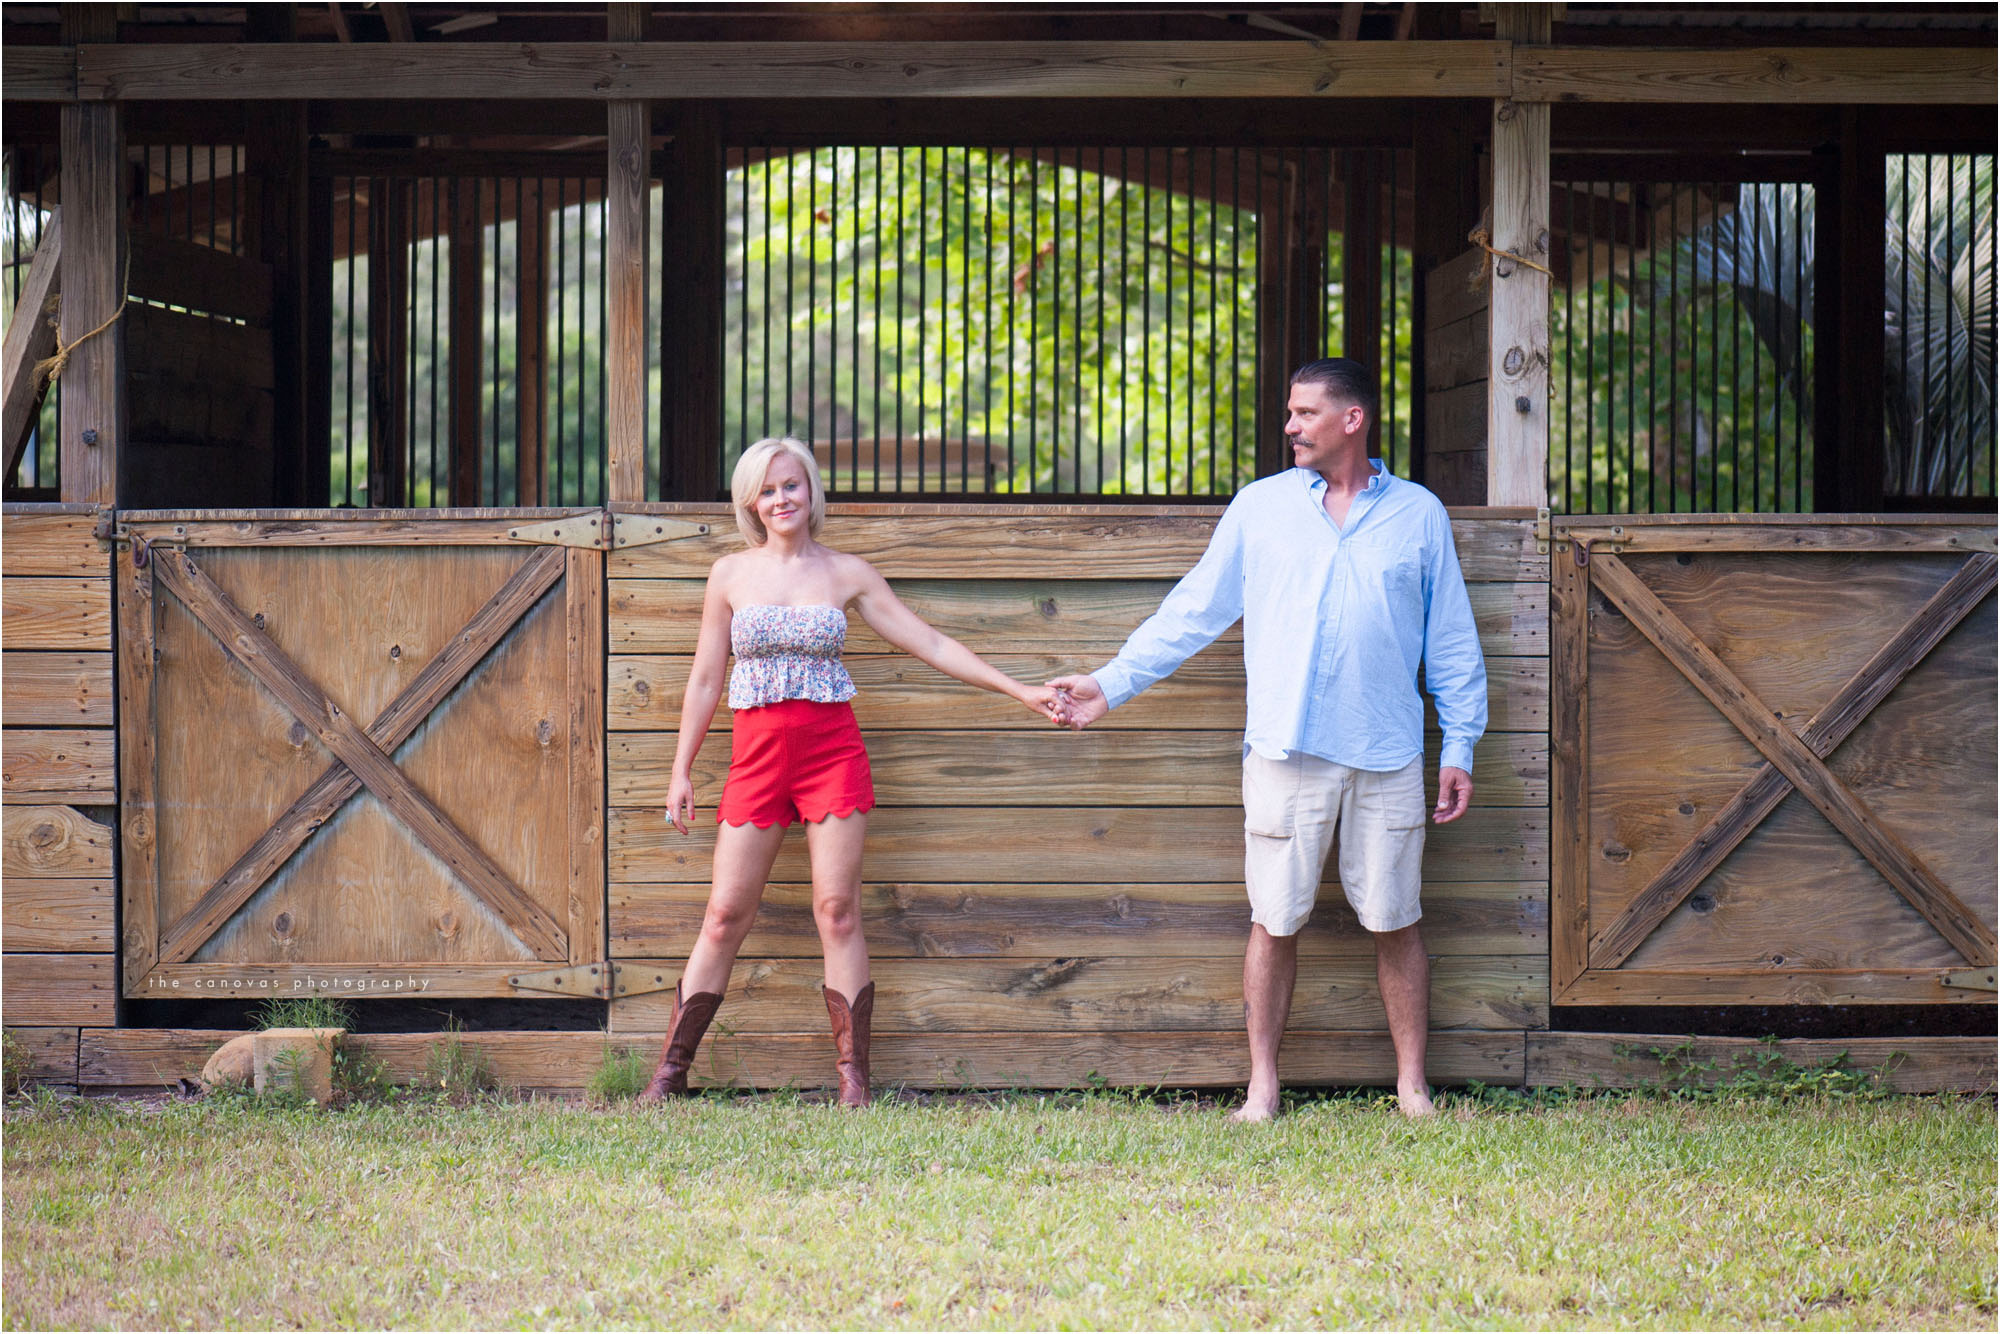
(362,751)
(1774,759)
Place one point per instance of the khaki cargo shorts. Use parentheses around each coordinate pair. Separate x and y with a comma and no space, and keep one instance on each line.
(1292,810)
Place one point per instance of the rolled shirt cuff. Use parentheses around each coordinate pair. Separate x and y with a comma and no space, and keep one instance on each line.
(1116,683)
(1456,755)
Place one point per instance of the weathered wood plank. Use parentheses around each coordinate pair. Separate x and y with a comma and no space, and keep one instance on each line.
(1773,986)
(1783,748)
(899,693)
(62,614)
(52,545)
(628,147)
(1054,845)
(201,278)
(140,1058)
(38,73)
(198,348)
(1569,759)
(1078,994)
(596,71)
(1792,75)
(138,824)
(1028,542)
(54,841)
(1058,769)
(390,729)
(339,733)
(72,765)
(30,338)
(1625,1060)
(1455,419)
(1455,355)
(959,921)
(58,916)
(56,689)
(1770,533)
(583,629)
(49,990)
(51,1053)
(92,426)
(1031,616)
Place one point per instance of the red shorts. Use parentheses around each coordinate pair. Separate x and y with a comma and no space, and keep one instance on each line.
(797,759)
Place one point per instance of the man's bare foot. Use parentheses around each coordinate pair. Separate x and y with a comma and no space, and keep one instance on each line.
(1259,1106)
(1414,1100)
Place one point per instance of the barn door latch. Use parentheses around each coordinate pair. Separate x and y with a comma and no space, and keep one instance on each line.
(1971,979)
(644,530)
(602,980)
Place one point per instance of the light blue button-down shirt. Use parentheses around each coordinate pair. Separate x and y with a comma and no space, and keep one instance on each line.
(1335,618)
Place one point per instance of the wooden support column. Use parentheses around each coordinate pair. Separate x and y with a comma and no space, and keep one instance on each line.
(531,358)
(468,343)
(388,341)
(691,323)
(275,158)
(1274,228)
(316,483)
(1361,268)
(630,141)
(93,256)
(1849,449)
(1445,208)
(1517,406)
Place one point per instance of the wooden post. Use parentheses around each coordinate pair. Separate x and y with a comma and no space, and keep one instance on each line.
(1517,407)
(468,344)
(1274,226)
(93,256)
(275,158)
(316,484)
(388,341)
(1848,445)
(1361,267)
(1445,206)
(531,362)
(630,141)
(691,328)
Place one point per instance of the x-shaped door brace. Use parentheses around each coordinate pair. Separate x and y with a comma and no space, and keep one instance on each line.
(1795,760)
(362,757)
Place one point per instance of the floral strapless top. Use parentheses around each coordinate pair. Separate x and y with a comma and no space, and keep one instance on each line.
(788,653)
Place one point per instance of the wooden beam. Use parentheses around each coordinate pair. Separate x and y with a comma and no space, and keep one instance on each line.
(396,17)
(341,27)
(1881,75)
(531,352)
(691,328)
(1517,404)
(468,339)
(388,339)
(38,73)
(93,188)
(628,173)
(1361,266)
(596,71)
(31,336)
(275,158)
(1848,442)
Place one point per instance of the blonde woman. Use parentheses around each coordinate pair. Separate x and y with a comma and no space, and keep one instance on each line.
(781,607)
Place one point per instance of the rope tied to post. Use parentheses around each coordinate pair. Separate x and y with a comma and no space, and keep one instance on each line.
(1484,240)
(49,368)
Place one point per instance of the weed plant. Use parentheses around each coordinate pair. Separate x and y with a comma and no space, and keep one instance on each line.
(455,1070)
(304,1012)
(620,1076)
(17,1065)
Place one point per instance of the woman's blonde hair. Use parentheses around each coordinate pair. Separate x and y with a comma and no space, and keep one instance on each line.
(748,480)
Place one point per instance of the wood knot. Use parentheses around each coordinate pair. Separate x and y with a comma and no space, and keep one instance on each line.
(1617,852)
(641,689)
(447,924)
(545,732)
(297,734)
(1047,607)
(282,924)
(1045,977)
(395,652)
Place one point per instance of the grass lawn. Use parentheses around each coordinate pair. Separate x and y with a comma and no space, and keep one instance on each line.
(1075,1211)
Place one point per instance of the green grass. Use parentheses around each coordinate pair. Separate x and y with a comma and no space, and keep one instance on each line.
(1078,1211)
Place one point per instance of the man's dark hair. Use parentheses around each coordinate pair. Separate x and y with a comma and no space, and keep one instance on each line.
(1342,378)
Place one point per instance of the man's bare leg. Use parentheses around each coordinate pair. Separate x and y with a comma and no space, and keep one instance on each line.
(1403,971)
(1270,967)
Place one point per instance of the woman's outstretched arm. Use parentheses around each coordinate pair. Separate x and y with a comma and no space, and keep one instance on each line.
(704,692)
(888,617)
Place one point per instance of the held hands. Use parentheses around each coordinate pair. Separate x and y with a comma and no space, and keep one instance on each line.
(1454,795)
(680,802)
(1044,700)
(1082,702)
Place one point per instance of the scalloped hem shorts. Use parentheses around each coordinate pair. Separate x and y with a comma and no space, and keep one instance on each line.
(797,759)
(1292,810)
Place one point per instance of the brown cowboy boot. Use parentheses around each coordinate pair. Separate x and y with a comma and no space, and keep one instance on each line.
(690,1021)
(850,1040)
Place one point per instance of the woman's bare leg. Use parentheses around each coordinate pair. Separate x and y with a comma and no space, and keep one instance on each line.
(835,847)
(743,857)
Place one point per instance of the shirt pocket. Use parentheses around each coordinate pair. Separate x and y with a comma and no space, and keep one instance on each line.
(1397,571)
(1271,795)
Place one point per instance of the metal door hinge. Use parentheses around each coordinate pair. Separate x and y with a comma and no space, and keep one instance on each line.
(591,531)
(643,530)
(1971,979)
(1543,533)
(602,980)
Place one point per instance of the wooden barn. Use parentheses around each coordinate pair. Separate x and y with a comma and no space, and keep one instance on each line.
(353,553)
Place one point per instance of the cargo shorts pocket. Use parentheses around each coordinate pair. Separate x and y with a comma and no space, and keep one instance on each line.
(1271,795)
(1399,798)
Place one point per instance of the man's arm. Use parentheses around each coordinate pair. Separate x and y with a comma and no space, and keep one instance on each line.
(1207,601)
(1455,671)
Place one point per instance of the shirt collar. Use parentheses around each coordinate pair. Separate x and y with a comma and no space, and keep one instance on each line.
(1378,479)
